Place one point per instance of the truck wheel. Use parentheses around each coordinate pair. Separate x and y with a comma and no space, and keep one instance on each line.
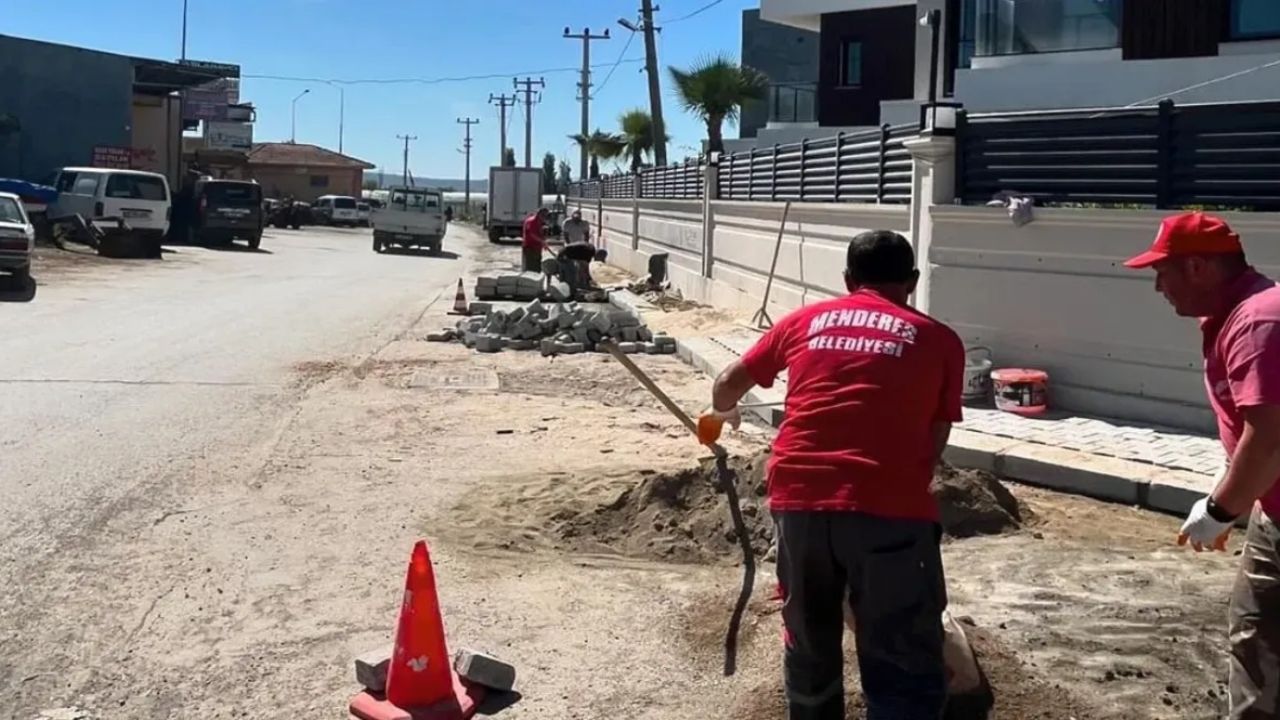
(378,246)
(255,241)
(495,235)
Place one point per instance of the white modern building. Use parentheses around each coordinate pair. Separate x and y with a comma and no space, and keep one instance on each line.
(1008,55)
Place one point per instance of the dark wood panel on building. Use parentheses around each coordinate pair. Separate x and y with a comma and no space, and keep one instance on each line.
(866,56)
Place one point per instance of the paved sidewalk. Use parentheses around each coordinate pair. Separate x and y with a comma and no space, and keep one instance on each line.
(1153,467)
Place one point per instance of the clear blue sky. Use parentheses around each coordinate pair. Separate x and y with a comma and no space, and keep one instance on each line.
(359,39)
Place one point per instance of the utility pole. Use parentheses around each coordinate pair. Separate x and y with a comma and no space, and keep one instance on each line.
(408,182)
(503,102)
(466,148)
(584,88)
(655,83)
(526,86)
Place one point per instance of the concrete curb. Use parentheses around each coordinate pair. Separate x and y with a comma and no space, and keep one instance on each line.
(1105,478)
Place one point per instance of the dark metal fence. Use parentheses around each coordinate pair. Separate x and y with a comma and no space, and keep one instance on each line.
(872,166)
(1224,155)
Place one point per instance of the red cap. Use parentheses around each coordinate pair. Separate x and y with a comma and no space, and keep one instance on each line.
(1192,233)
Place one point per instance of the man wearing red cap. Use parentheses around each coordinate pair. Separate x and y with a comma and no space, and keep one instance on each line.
(1201,270)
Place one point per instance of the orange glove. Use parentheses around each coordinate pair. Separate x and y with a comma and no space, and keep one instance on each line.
(711,424)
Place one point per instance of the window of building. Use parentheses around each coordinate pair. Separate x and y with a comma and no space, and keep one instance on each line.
(1253,19)
(319,181)
(1021,27)
(851,67)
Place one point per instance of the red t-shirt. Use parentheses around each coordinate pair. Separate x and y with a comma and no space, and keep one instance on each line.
(867,380)
(1242,362)
(531,236)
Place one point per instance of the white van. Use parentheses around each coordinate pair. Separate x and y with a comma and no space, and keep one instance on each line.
(140,198)
(337,210)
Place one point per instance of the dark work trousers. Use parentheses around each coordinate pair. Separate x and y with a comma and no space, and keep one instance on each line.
(532,259)
(1254,624)
(891,571)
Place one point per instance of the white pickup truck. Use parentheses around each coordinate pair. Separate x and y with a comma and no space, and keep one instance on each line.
(412,217)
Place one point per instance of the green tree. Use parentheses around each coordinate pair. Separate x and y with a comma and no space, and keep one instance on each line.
(370,184)
(600,146)
(715,89)
(549,172)
(637,135)
(564,178)
(509,157)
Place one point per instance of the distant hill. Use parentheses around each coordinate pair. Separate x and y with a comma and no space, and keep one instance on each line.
(478,185)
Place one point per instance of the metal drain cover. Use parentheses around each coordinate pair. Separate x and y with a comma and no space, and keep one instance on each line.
(443,379)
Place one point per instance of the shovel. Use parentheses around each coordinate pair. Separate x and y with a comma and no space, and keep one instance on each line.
(726,477)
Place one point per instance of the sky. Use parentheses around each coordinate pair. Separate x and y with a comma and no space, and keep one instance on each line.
(421,40)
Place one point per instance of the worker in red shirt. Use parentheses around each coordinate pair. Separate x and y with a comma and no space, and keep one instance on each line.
(533,239)
(873,388)
(1201,270)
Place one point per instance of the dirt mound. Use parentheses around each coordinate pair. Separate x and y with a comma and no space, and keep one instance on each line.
(679,517)
(684,516)
(972,502)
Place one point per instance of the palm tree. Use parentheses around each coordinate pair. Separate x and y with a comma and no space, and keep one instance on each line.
(600,146)
(637,134)
(715,89)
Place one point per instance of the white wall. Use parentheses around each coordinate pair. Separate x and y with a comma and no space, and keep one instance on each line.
(742,238)
(1102,79)
(1054,295)
(810,260)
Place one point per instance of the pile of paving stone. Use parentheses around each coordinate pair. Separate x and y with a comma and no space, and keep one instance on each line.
(555,329)
(520,286)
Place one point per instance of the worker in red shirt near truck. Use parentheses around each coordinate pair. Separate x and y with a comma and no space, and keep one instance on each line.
(873,388)
(1202,271)
(533,240)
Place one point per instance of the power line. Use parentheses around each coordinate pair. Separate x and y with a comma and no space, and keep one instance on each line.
(616,63)
(697,12)
(431,81)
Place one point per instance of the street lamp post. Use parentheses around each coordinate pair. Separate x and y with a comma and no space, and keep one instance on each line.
(342,113)
(293,117)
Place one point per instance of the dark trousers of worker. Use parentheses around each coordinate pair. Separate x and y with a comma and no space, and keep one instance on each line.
(532,257)
(1254,624)
(891,573)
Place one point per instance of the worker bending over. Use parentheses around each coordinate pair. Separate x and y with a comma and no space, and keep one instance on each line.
(573,265)
(873,389)
(1201,270)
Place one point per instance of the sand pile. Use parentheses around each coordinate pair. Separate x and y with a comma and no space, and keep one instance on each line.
(684,516)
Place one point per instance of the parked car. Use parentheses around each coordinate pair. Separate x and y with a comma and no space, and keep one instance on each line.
(141,199)
(225,210)
(336,210)
(363,210)
(286,213)
(17,237)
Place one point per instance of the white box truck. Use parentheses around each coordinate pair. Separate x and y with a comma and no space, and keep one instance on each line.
(513,193)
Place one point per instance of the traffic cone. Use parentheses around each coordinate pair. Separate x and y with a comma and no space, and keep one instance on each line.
(421,682)
(460,306)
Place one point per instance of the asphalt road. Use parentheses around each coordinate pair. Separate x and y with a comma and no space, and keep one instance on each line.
(118,371)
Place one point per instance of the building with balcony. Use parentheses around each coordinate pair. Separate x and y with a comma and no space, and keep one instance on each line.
(1008,55)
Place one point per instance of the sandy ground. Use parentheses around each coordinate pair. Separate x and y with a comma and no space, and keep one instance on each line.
(243,582)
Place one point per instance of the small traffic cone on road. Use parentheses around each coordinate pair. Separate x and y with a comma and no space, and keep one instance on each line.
(421,682)
(460,306)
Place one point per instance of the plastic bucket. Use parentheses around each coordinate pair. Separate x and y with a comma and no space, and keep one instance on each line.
(1022,391)
(977,374)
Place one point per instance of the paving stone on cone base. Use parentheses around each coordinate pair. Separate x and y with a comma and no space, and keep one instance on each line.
(485,670)
(371,669)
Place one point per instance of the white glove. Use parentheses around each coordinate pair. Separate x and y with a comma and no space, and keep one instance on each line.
(1202,530)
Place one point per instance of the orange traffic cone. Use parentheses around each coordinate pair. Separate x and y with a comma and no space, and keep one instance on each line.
(460,306)
(421,682)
